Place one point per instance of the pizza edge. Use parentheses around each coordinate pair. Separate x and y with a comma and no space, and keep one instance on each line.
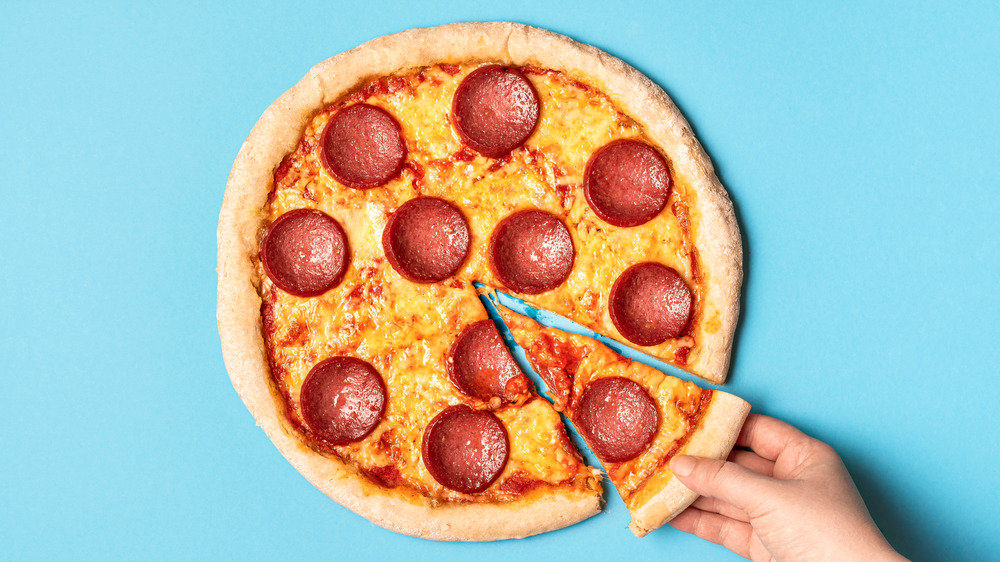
(277,133)
(714,438)
(715,232)
(714,435)
(385,507)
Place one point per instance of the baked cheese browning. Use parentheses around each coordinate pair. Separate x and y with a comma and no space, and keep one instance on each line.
(372,130)
(407,341)
(547,174)
(540,457)
(580,361)
(678,420)
(676,402)
(404,329)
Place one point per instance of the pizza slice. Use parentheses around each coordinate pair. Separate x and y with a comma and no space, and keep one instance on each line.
(632,416)
(371,196)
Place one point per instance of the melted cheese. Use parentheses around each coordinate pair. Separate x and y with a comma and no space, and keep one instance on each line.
(584,360)
(404,329)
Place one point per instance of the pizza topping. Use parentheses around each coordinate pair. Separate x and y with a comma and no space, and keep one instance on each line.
(465,449)
(495,109)
(531,252)
(343,399)
(626,182)
(362,146)
(426,240)
(416,240)
(520,483)
(617,417)
(480,365)
(650,303)
(387,476)
(304,252)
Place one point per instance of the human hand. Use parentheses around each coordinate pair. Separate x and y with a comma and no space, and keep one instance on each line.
(789,498)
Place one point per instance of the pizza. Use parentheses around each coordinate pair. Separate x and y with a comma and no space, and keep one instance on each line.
(632,416)
(370,200)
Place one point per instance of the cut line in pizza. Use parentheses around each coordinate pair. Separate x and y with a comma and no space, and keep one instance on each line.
(373,197)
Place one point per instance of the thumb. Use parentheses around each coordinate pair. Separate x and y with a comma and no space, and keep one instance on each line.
(727,481)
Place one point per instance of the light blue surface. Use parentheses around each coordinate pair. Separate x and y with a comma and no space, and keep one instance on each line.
(859,143)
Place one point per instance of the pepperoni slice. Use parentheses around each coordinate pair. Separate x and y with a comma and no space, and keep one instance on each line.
(617,417)
(479,364)
(362,146)
(426,240)
(343,399)
(305,253)
(495,109)
(650,303)
(465,449)
(531,252)
(626,182)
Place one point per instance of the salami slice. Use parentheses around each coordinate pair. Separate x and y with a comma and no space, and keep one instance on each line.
(626,182)
(343,399)
(531,252)
(650,303)
(495,109)
(426,240)
(305,253)
(617,417)
(362,146)
(465,449)
(479,364)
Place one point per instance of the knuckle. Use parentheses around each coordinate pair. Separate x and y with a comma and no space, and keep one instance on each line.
(728,470)
(728,530)
(715,472)
(824,450)
(803,447)
(817,450)
(702,527)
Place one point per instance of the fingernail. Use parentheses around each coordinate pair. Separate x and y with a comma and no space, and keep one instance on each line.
(682,465)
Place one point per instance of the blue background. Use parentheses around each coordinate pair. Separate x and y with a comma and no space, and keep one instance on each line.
(859,143)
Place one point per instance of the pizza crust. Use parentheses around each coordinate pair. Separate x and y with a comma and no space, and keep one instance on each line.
(277,133)
(423,518)
(714,438)
(340,481)
(716,234)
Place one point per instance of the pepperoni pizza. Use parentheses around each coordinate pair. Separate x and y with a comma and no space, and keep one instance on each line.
(632,416)
(368,199)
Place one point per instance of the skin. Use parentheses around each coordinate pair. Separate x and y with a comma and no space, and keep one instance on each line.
(789,497)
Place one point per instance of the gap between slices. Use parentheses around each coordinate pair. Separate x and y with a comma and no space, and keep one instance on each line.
(651,493)
(500,305)
(497,297)
(513,246)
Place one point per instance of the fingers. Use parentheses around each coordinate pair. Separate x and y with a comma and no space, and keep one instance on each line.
(753,461)
(730,533)
(713,505)
(748,459)
(767,436)
(727,481)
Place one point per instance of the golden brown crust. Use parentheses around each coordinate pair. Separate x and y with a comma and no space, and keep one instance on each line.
(717,238)
(276,134)
(442,521)
(715,232)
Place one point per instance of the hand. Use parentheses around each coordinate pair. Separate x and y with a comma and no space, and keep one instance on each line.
(790,498)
